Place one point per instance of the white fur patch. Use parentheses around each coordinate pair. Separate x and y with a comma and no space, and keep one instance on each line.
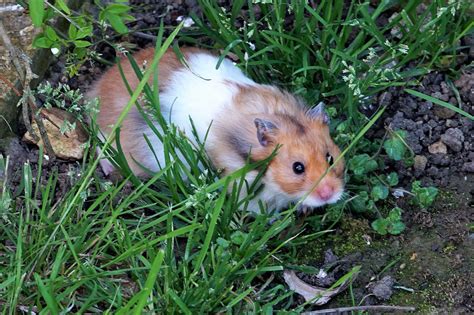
(200,92)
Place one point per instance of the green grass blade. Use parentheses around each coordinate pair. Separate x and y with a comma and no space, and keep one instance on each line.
(211,228)
(439,102)
(179,302)
(47,295)
(150,281)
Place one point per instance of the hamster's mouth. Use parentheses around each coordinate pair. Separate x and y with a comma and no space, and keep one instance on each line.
(313,201)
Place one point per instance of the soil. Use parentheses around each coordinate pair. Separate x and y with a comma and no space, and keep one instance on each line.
(442,140)
(430,265)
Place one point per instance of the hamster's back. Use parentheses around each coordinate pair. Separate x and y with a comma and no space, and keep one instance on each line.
(197,90)
(200,91)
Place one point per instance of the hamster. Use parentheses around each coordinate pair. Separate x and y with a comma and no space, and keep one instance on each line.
(241,117)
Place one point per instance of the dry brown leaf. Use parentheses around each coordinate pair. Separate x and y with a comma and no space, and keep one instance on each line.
(67,146)
(309,292)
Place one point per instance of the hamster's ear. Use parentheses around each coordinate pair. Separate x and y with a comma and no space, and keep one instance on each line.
(266,131)
(318,112)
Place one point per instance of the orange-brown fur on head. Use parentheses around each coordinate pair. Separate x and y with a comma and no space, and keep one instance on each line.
(311,148)
(301,137)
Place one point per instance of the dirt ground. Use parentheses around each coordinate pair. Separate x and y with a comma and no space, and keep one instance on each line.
(429,266)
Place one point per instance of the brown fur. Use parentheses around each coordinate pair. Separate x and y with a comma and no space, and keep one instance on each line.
(111,88)
(302,139)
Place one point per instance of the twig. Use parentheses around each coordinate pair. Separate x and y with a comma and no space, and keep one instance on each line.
(340,310)
(144,35)
(10,85)
(63,15)
(26,76)
(36,112)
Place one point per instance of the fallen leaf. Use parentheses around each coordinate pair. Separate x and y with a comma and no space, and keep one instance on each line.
(68,145)
(317,295)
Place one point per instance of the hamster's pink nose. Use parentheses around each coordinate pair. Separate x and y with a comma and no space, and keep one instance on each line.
(325,192)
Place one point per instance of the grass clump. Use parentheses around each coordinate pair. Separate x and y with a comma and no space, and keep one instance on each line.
(345,53)
(176,243)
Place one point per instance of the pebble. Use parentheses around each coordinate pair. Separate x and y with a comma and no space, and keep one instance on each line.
(441,96)
(438,148)
(419,164)
(425,108)
(453,138)
(468,167)
(440,159)
(385,99)
(433,172)
(450,123)
(444,88)
(382,289)
(443,112)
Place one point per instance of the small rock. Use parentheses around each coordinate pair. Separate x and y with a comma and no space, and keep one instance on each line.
(382,289)
(468,167)
(329,257)
(425,108)
(420,163)
(438,148)
(440,159)
(443,112)
(441,96)
(450,123)
(438,79)
(432,123)
(468,146)
(444,88)
(150,19)
(385,99)
(453,138)
(433,172)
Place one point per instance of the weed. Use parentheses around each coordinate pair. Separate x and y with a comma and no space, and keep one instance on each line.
(176,242)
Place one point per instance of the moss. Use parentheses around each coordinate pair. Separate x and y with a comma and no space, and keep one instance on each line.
(312,253)
(417,300)
(352,236)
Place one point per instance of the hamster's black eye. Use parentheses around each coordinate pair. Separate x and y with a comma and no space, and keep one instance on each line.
(329,158)
(298,168)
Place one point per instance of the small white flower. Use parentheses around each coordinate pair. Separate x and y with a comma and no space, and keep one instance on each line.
(188,22)
(55,51)
(251,45)
(441,11)
(403,49)
(321,274)
(246,56)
